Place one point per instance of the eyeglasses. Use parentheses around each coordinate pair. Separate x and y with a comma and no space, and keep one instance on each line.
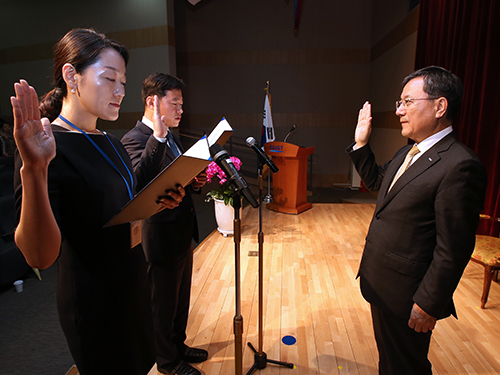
(408,101)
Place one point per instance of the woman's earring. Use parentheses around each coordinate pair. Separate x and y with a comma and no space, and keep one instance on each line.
(73,90)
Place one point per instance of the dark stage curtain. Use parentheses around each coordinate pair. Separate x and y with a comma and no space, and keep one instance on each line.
(463,36)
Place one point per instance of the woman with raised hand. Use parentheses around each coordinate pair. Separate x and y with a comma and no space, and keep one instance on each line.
(71,179)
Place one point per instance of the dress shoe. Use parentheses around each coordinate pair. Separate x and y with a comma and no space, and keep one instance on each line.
(194,355)
(182,368)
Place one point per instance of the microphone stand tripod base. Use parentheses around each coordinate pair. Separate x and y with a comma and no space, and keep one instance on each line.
(261,361)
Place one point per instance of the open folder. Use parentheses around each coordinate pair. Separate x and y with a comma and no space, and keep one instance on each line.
(180,172)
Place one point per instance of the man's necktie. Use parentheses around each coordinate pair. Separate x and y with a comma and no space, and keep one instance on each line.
(172,145)
(409,156)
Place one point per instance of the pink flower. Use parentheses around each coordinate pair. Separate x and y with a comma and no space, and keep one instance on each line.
(237,162)
(213,170)
(224,192)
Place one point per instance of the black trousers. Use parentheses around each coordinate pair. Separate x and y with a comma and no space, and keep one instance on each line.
(402,351)
(170,297)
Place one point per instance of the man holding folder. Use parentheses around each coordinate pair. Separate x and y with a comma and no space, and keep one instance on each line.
(167,236)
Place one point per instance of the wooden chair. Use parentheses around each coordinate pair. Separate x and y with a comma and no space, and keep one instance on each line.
(487,254)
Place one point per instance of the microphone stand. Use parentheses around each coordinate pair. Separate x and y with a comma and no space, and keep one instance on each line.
(260,357)
(290,132)
(268,198)
(238,318)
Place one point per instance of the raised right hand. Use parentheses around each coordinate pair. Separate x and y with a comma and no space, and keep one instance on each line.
(364,126)
(33,135)
(159,128)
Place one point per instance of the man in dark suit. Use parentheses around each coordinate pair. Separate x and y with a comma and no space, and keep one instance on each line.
(422,232)
(167,236)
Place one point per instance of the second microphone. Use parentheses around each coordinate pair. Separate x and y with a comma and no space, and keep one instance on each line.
(222,159)
(251,142)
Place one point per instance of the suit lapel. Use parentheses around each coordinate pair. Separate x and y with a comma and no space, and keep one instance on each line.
(422,164)
(144,128)
(168,152)
(393,169)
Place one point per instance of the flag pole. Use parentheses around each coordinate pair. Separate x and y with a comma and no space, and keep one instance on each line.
(268,198)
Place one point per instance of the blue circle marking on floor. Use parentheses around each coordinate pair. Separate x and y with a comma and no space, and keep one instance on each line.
(289,340)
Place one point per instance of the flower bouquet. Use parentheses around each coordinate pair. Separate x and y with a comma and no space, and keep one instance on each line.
(224,192)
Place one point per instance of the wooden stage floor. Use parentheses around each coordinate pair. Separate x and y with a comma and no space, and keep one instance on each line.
(311,293)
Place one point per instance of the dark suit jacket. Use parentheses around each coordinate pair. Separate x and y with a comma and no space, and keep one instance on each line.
(422,232)
(169,231)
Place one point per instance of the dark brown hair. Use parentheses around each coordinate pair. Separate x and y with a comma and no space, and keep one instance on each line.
(439,82)
(80,48)
(159,84)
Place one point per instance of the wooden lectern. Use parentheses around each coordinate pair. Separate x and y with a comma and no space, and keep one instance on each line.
(290,182)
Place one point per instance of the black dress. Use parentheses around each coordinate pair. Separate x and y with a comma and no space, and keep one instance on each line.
(103,291)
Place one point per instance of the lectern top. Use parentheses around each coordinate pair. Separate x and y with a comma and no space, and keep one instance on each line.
(285,149)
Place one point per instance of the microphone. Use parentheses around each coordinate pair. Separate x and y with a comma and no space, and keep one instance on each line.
(222,159)
(262,155)
(290,132)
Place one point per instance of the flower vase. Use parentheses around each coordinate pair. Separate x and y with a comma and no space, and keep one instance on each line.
(224,215)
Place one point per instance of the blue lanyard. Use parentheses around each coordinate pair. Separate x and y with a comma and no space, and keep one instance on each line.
(129,188)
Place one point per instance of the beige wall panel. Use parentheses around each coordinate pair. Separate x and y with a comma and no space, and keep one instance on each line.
(385,143)
(263,24)
(37,73)
(141,25)
(143,62)
(390,16)
(318,88)
(388,71)
(343,54)
(319,77)
(46,22)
